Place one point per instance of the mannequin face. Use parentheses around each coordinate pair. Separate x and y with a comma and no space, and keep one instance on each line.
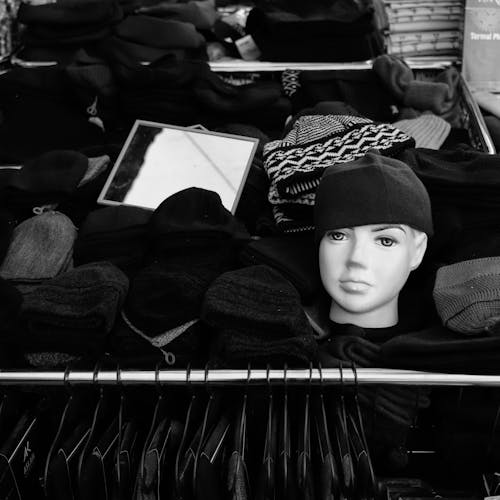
(364,268)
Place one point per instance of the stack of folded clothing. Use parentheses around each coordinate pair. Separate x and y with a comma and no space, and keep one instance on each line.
(296,163)
(425,28)
(56,30)
(345,33)
(146,38)
(202,14)
(193,239)
(188,91)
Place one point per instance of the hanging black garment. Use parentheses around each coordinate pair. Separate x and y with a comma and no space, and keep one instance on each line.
(95,483)
(211,472)
(62,471)
(18,456)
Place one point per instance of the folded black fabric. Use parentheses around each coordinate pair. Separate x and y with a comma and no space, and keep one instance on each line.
(462,177)
(11,304)
(352,348)
(140,53)
(115,234)
(56,172)
(285,36)
(68,12)
(184,92)
(43,36)
(75,310)
(362,89)
(157,32)
(40,114)
(441,350)
(200,13)
(294,256)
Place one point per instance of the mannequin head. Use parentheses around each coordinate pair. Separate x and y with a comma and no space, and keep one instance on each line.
(364,268)
(372,219)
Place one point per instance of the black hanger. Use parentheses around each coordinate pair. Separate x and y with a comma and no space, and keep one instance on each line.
(179,476)
(190,441)
(209,420)
(328,484)
(304,479)
(103,415)
(366,481)
(342,441)
(157,416)
(237,463)
(267,480)
(60,427)
(286,487)
(121,418)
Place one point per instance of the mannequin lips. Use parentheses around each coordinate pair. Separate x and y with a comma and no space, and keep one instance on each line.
(354,286)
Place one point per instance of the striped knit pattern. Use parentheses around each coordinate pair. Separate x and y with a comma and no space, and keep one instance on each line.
(428,130)
(296,163)
(467,295)
(290,82)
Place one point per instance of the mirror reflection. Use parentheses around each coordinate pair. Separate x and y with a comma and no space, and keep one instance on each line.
(158,161)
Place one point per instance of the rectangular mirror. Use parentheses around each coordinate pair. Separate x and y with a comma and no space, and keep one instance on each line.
(158,160)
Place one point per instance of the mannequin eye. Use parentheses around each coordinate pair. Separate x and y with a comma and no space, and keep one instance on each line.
(335,235)
(387,242)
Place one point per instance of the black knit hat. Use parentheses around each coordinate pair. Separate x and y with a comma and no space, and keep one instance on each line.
(190,216)
(53,172)
(115,234)
(160,299)
(257,313)
(371,190)
(76,310)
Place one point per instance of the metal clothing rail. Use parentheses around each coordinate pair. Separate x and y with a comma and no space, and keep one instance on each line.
(315,376)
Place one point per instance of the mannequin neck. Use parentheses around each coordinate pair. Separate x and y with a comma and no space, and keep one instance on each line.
(383,317)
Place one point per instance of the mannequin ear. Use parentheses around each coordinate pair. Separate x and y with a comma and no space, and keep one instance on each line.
(420,240)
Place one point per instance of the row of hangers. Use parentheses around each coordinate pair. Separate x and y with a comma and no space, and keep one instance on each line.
(270,444)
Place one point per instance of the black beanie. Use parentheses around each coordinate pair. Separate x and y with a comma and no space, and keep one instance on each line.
(160,298)
(258,314)
(190,216)
(373,189)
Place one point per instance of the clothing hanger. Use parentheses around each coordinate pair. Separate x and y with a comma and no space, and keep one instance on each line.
(64,417)
(209,420)
(237,465)
(179,475)
(305,483)
(366,484)
(212,445)
(286,487)
(157,416)
(267,486)
(342,440)
(213,460)
(327,473)
(191,440)
(103,415)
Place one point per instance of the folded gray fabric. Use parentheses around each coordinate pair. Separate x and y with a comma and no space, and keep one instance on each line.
(467,295)
(41,248)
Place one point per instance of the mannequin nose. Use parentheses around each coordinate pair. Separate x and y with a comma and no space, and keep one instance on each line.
(358,255)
